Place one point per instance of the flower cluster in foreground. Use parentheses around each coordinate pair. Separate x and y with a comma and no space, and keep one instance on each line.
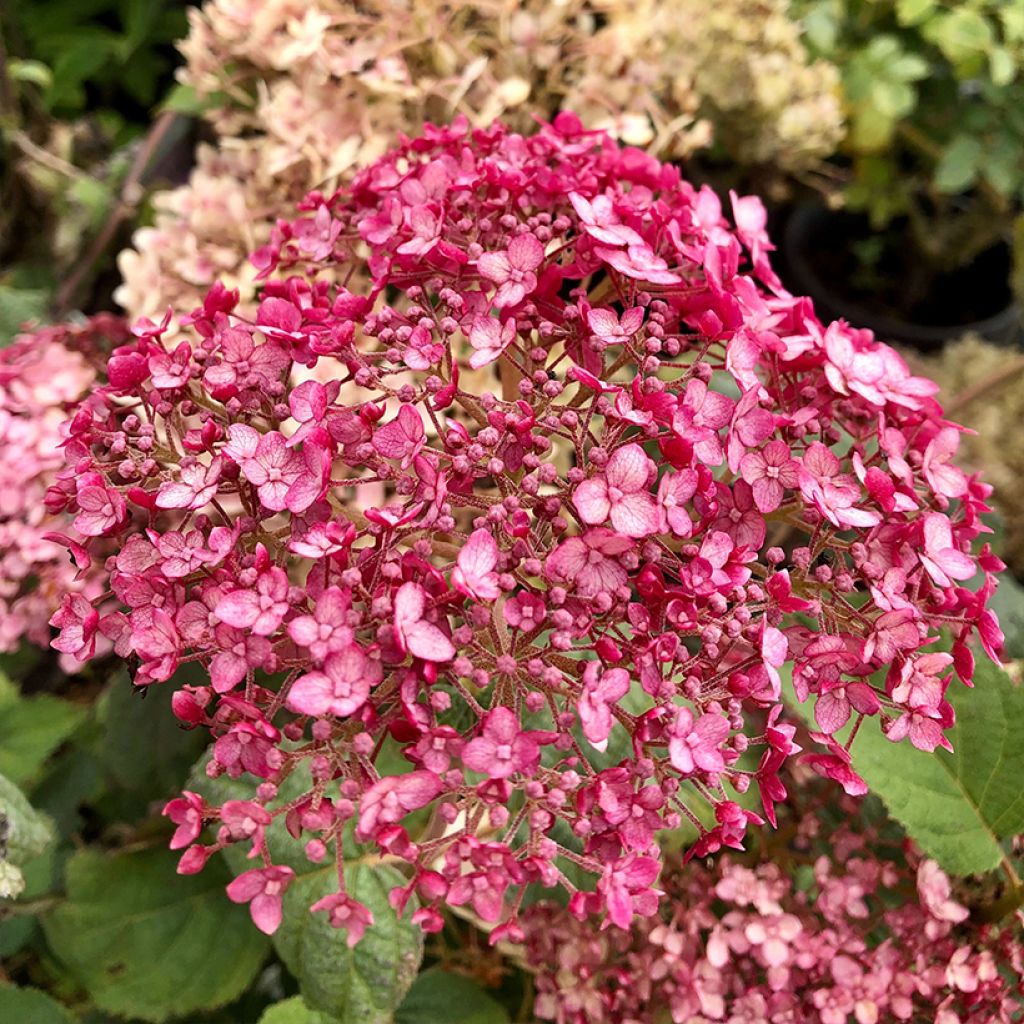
(42,376)
(506,554)
(850,932)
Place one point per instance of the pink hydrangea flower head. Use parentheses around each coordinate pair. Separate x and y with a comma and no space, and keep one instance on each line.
(525,455)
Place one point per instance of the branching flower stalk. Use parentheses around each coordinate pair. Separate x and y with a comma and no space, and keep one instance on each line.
(500,517)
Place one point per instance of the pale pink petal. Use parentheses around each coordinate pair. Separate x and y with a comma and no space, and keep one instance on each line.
(525,252)
(495,266)
(311,694)
(635,515)
(591,501)
(424,640)
(629,468)
(240,608)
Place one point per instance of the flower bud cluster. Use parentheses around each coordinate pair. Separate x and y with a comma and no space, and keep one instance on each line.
(508,552)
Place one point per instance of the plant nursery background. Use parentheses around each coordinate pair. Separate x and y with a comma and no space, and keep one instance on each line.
(511,512)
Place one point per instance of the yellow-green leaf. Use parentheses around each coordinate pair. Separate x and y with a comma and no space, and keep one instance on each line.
(31,728)
(960,808)
(30,1006)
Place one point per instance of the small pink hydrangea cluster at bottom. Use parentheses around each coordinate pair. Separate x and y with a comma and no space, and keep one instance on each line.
(753,945)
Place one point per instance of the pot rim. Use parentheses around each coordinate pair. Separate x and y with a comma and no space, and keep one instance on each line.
(1003,327)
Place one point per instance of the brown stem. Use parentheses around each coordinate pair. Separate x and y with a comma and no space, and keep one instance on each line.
(994,379)
(510,375)
(7,97)
(1011,900)
(126,205)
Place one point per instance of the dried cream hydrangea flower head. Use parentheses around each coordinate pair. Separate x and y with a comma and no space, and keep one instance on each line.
(981,381)
(304,93)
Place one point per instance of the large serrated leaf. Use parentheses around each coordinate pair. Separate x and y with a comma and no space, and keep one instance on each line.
(143,746)
(362,985)
(282,847)
(149,944)
(959,807)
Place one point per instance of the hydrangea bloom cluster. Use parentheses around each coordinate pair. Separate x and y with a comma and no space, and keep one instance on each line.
(547,510)
(303,92)
(865,938)
(42,375)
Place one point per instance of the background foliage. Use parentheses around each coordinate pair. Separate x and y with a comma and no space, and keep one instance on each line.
(95,925)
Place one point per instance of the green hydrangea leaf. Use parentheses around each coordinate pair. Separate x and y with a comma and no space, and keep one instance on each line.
(31,729)
(960,807)
(24,832)
(870,130)
(893,99)
(139,728)
(361,985)
(30,1006)
(440,997)
(149,944)
(912,12)
(38,874)
(964,36)
(958,166)
(282,847)
(33,71)
(821,24)
(1012,17)
(293,1011)
(1002,66)
(18,306)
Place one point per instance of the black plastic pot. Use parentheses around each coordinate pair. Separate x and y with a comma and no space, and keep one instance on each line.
(813,234)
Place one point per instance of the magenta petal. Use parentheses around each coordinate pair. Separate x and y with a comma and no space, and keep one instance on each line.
(240,609)
(266,913)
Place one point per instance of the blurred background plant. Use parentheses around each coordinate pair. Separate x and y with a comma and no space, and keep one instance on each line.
(981,385)
(299,95)
(934,155)
(79,80)
(909,112)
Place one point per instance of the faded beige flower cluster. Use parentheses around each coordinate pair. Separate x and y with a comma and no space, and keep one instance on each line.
(303,92)
(981,383)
